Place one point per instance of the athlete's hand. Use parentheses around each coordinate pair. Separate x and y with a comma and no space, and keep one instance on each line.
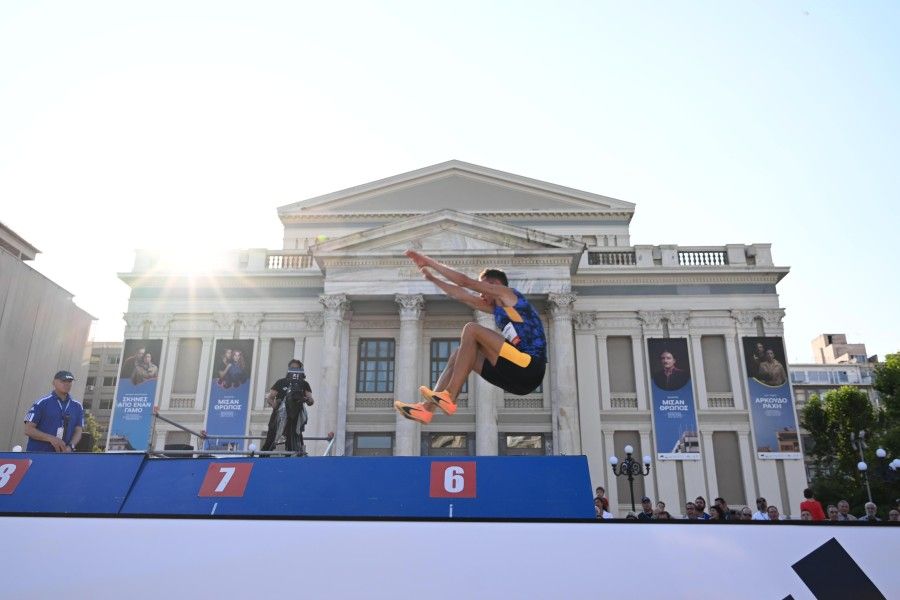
(420,259)
(428,274)
(58,444)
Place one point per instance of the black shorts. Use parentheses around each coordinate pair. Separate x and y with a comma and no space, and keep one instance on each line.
(512,377)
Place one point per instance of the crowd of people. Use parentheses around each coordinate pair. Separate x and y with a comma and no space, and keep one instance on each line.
(696,510)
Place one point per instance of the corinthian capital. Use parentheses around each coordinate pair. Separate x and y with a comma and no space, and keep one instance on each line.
(411,305)
(336,306)
(561,304)
(585,321)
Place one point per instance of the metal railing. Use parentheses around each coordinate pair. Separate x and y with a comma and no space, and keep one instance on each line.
(202,435)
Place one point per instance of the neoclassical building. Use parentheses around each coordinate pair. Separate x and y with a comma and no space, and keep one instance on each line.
(341,296)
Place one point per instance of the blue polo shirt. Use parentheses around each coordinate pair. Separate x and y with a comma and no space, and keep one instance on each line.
(50,413)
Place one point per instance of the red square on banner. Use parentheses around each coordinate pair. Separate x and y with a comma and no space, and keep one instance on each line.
(453,479)
(225,480)
(11,473)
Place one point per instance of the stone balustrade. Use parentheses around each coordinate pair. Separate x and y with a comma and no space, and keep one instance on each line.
(731,255)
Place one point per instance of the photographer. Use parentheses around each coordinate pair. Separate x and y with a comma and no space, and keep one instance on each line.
(288,397)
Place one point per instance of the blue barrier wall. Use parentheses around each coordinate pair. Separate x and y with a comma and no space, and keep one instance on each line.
(477,487)
(50,483)
(542,487)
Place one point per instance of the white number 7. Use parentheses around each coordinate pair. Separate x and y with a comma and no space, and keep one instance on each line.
(228,473)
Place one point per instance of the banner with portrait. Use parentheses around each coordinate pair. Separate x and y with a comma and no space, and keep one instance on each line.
(229,395)
(132,415)
(672,392)
(771,402)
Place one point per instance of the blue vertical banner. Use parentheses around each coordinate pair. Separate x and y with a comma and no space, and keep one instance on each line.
(229,395)
(132,415)
(771,401)
(672,392)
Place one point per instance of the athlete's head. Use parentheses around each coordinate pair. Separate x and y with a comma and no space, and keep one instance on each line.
(494,276)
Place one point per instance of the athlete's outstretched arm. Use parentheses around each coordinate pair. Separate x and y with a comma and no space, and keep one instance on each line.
(458,293)
(502,294)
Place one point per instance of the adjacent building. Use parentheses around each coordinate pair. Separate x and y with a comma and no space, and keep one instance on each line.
(41,332)
(341,296)
(100,385)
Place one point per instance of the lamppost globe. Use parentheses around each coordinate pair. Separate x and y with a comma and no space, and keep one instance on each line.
(880,453)
(647,460)
(629,449)
(861,466)
(895,464)
(613,460)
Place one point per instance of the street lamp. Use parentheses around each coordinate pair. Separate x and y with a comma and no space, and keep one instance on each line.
(858,442)
(630,468)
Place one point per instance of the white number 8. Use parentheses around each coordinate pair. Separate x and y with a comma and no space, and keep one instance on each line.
(453,480)
(6,472)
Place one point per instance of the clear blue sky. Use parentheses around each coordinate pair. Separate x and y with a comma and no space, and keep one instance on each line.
(185,124)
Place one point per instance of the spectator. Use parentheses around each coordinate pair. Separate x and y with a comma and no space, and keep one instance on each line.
(601,494)
(772,512)
(601,512)
(716,514)
(833,513)
(54,423)
(812,505)
(844,511)
(894,515)
(646,513)
(631,516)
(690,512)
(700,503)
(805,515)
(660,506)
(746,514)
(723,506)
(665,516)
(871,513)
(761,507)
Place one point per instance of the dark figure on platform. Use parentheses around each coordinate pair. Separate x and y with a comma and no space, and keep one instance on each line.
(288,397)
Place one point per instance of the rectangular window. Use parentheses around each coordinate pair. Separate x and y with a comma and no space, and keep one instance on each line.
(86,403)
(375,373)
(798,376)
(95,359)
(373,444)
(106,402)
(715,364)
(447,444)
(109,381)
(726,449)
(187,366)
(522,444)
(281,351)
(112,359)
(440,353)
(843,377)
(91,382)
(621,365)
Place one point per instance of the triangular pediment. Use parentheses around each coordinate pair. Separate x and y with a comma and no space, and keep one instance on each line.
(447,232)
(456,185)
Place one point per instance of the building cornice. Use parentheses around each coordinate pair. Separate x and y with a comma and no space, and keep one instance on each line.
(379,217)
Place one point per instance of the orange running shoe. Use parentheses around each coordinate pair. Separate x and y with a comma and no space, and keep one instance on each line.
(442,399)
(414,412)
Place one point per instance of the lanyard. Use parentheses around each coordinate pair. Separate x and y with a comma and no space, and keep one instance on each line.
(63,413)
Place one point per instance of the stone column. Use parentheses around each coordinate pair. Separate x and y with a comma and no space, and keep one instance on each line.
(171,362)
(258,402)
(406,373)
(640,378)
(734,372)
(336,307)
(487,398)
(562,374)
(205,374)
(603,367)
(699,371)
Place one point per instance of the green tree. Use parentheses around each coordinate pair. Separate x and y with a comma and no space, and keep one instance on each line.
(887,384)
(93,429)
(831,421)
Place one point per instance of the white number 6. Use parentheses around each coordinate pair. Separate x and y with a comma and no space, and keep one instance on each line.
(453,480)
